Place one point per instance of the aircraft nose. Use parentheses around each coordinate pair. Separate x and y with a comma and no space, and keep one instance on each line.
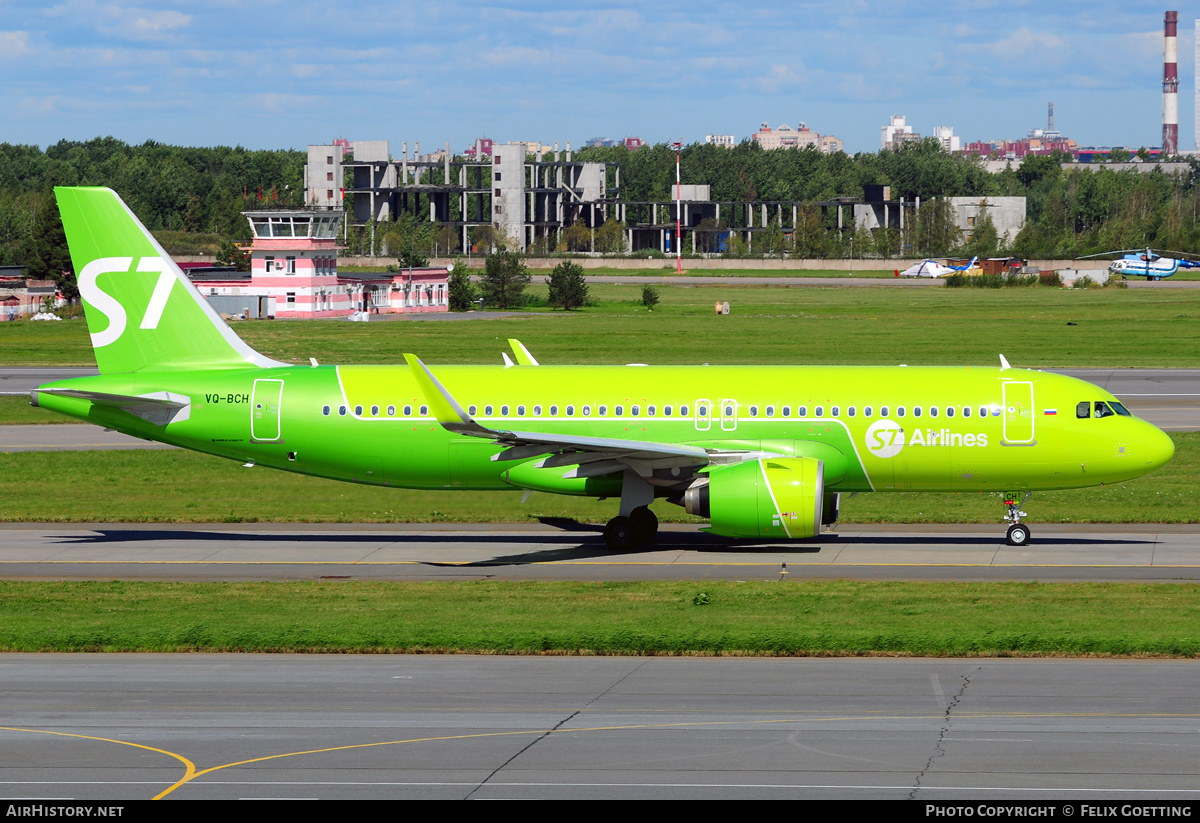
(1158,448)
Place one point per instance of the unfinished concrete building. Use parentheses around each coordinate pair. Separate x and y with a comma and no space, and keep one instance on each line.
(526,199)
(521,199)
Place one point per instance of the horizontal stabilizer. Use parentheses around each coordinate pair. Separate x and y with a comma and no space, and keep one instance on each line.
(159,408)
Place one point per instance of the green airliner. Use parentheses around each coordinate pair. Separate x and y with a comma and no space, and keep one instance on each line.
(763,452)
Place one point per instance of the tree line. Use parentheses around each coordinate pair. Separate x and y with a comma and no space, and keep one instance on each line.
(189,195)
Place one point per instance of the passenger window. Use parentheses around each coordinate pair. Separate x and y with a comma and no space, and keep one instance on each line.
(487,411)
(1084,410)
(341,411)
(866,411)
(666,411)
(649,411)
(787,411)
(503,410)
(966,411)
(325,410)
(374,411)
(683,411)
(754,411)
(1102,409)
(570,411)
(835,411)
(916,411)
(850,411)
(603,410)
(587,411)
(471,410)
(408,411)
(554,411)
(899,411)
(883,411)
(520,411)
(633,410)
(424,410)
(391,411)
(358,411)
(802,411)
(770,411)
(819,411)
(537,411)
(729,411)
(617,411)
(949,411)
(933,411)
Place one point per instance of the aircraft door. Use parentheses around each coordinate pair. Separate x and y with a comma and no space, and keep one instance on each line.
(265,404)
(703,415)
(729,415)
(1018,413)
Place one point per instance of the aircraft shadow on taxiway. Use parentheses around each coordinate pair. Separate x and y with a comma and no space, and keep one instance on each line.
(569,546)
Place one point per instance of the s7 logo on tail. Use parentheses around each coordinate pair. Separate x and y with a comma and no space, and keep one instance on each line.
(110,307)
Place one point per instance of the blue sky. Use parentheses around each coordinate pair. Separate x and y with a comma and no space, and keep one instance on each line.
(287,74)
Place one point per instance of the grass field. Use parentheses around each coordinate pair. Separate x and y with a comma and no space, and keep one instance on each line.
(794,618)
(1116,328)
(185,487)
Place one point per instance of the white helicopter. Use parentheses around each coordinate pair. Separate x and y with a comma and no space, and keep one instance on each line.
(1148,263)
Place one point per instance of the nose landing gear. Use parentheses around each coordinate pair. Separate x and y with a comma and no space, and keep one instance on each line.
(1018,533)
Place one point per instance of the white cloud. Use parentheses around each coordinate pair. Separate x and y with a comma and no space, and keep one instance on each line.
(117,20)
(1022,43)
(14,44)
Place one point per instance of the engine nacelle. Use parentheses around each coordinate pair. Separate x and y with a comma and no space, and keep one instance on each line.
(775,497)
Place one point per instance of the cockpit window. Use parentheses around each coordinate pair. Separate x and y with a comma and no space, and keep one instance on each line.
(1084,410)
(1102,409)
(1120,409)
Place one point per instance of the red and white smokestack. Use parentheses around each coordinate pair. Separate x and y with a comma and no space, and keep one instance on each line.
(1170,138)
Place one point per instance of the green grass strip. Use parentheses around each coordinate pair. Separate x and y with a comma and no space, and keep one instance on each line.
(763,618)
(769,325)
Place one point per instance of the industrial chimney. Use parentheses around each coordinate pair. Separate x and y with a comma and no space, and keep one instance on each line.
(1170,136)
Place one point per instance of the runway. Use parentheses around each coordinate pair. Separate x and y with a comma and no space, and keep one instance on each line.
(187,727)
(573,551)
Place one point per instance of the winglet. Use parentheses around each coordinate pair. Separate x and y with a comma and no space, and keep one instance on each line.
(1004,363)
(508,363)
(524,358)
(445,408)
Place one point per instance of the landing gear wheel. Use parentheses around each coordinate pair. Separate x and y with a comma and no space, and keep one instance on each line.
(1018,535)
(1157,278)
(645,524)
(620,534)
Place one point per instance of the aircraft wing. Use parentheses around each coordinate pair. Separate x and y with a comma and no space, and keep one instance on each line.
(159,408)
(593,456)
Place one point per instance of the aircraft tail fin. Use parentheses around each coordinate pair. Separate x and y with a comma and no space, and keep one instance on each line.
(142,311)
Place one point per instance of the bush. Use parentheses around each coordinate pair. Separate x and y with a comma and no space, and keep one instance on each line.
(649,297)
(568,286)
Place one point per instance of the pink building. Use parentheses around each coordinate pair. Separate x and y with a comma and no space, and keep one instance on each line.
(294,273)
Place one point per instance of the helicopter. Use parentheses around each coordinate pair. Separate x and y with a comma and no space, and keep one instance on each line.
(1149,263)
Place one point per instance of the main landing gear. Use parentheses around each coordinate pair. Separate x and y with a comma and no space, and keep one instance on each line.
(1018,533)
(636,525)
(638,529)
